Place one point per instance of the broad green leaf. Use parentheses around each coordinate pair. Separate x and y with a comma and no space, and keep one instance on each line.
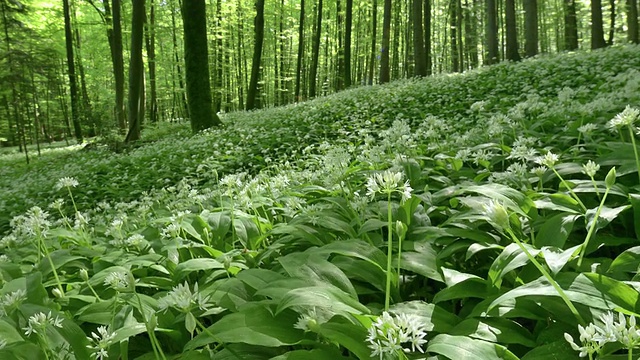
(511,258)
(555,230)
(22,351)
(317,270)
(327,297)
(634,199)
(628,261)
(557,258)
(254,326)
(422,261)
(358,249)
(315,354)
(350,336)
(470,288)
(466,348)
(498,330)
(9,333)
(60,258)
(361,270)
(607,215)
(277,289)
(258,278)
(186,267)
(557,350)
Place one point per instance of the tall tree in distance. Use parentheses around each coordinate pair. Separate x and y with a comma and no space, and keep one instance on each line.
(196,62)
(300,51)
(491,31)
(374,28)
(252,92)
(530,27)
(453,35)
(597,27)
(150,41)
(73,85)
(136,72)
(348,20)
(570,25)
(418,37)
(632,21)
(386,35)
(511,30)
(427,35)
(315,51)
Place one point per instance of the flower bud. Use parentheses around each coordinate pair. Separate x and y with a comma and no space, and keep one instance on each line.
(84,275)
(57,293)
(610,180)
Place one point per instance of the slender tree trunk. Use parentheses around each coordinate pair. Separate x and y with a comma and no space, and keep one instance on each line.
(218,78)
(570,25)
(453,33)
(73,87)
(85,104)
(150,41)
(315,52)
(374,28)
(492,56)
(512,53)
(531,27)
(386,34)
(136,70)
(632,21)
(427,36)
(300,52)
(348,20)
(183,97)
(597,29)
(257,55)
(418,37)
(339,80)
(114,36)
(612,19)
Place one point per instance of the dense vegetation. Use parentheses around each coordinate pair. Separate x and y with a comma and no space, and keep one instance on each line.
(485,215)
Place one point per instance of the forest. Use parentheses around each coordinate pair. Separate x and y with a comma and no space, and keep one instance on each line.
(313,179)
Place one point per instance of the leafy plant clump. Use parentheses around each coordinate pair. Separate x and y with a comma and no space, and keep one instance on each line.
(490,215)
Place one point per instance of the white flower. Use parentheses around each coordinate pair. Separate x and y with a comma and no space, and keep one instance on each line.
(549,160)
(587,129)
(387,183)
(388,334)
(626,118)
(183,299)
(66,182)
(590,168)
(101,342)
(310,320)
(39,322)
(497,214)
(117,280)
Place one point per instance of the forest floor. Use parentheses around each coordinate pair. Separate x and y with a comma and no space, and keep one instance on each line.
(488,215)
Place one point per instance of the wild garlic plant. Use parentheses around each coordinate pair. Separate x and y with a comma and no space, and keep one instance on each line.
(627,120)
(596,335)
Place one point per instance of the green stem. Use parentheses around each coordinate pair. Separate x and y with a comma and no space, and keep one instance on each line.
(53,268)
(399,260)
(220,343)
(584,208)
(592,228)
(546,274)
(72,200)
(595,186)
(387,294)
(635,150)
(157,349)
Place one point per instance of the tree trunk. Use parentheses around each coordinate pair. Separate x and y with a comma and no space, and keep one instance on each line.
(418,37)
(570,25)
(612,19)
(300,52)
(427,35)
(339,72)
(386,34)
(632,21)
(374,28)
(150,41)
(512,53)
(73,86)
(530,27)
(257,55)
(597,29)
(315,52)
(492,56)
(348,20)
(182,96)
(114,36)
(136,70)
(196,63)
(453,35)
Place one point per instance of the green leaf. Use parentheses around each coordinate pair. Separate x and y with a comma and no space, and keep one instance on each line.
(607,215)
(557,350)
(555,230)
(315,354)
(498,330)
(628,261)
(317,270)
(465,348)
(258,278)
(253,325)
(557,258)
(351,336)
(358,249)
(327,297)
(9,333)
(432,317)
(511,258)
(186,267)
(422,261)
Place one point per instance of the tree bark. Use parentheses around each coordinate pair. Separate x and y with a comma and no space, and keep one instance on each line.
(300,52)
(612,21)
(73,86)
(348,20)
(512,53)
(492,55)
(570,25)
(257,55)
(453,35)
(136,71)
(632,21)
(530,27)
(114,36)
(150,41)
(418,37)
(313,72)
(427,35)
(597,29)
(386,34)
(374,28)
(196,63)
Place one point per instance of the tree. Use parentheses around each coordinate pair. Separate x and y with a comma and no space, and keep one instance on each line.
(632,21)
(418,37)
(348,19)
(530,27)
(315,52)
(570,25)
(136,72)
(257,55)
(374,27)
(73,86)
(196,62)
(386,34)
(453,35)
(492,32)
(512,31)
(300,51)
(150,41)
(597,29)
(427,35)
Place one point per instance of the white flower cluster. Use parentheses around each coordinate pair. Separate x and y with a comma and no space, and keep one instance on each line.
(38,323)
(183,299)
(101,340)
(389,335)
(593,337)
(627,117)
(387,183)
(66,182)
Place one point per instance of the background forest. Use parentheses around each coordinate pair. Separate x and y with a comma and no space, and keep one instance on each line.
(57,80)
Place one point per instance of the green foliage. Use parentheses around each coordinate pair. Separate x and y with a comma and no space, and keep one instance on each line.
(282,235)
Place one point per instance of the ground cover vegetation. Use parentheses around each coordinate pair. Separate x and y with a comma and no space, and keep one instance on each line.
(485,215)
